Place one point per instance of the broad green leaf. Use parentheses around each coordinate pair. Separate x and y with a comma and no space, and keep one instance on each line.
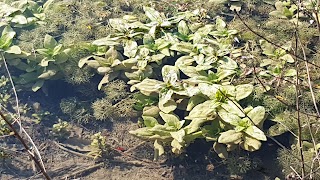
(159,150)
(212,131)
(290,73)
(105,42)
(149,121)
(183,47)
(193,101)
(83,61)
(6,37)
(107,78)
(288,58)
(183,28)
(14,50)
(256,133)
(243,91)
(49,42)
(170,73)
(229,117)
(130,48)
(179,135)
(234,108)
(142,132)
(257,115)
(205,110)
(220,24)
(230,136)
(152,111)
(56,50)
(147,86)
(221,150)
(36,86)
(171,120)
(152,14)
(209,90)
(250,144)
(176,147)
(168,106)
(45,62)
(48,74)
(19,19)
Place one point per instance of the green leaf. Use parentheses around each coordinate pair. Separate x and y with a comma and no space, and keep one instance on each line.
(209,90)
(152,111)
(183,28)
(257,115)
(147,86)
(229,117)
(205,110)
(234,108)
(220,24)
(130,48)
(6,37)
(170,74)
(183,47)
(168,106)
(179,135)
(105,42)
(36,86)
(290,73)
(171,120)
(149,121)
(158,148)
(49,42)
(230,136)
(221,150)
(193,101)
(152,14)
(107,78)
(56,50)
(288,58)
(250,144)
(243,91)
(176,147)
(256,133)
(48,74)
(14,50)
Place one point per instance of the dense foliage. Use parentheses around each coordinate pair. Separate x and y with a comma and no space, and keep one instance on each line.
(201,74)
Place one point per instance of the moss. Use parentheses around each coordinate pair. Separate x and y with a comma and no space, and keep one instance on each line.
(239,164)
(68,106)
(103,109)
(125,109)
(115,90)
(288,160)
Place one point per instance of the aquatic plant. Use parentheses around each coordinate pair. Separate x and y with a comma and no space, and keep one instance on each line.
(103,109)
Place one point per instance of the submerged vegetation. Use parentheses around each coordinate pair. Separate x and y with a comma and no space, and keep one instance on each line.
(233,73)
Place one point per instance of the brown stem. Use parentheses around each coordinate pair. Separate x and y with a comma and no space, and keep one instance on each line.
(17,135)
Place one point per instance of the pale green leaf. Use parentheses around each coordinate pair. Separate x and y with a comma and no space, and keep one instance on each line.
(159,150)
(49,42)
(179,135)
(250,144)
(36,86)
(256,133)
(168,106)
(130,48)
(230,136)
(243,91)
(257,115)
(221,150)
(149,121)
